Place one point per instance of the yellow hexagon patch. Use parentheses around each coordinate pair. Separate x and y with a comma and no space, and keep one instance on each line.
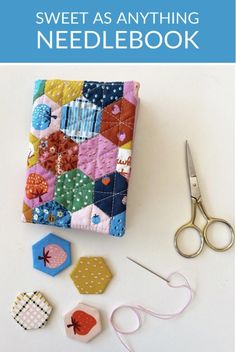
(62,92)
(33,150)
(91,275)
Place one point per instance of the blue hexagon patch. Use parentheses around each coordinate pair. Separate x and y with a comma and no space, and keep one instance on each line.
(51,254)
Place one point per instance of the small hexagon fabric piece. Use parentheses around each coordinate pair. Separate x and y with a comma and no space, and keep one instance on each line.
(118,122)
(74,190)
(62,92)
(39,186)
(117,225)
(102,93)
(97,157)
(31,310)
(82,323)
(110,194)
(80,119)
(51,213)
(27,213)
(91,275)
(91,218)
(46,115)
(80,154)
(33,151)
(123,165)
(58,153)
(51,254)
(131,91)
(38,88)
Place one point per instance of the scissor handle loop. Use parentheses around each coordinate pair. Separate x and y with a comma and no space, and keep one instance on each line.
(209,243)
(189,225)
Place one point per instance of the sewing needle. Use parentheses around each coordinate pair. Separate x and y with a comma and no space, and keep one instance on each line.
(151,271)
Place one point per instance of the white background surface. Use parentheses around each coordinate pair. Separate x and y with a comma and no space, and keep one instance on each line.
(178,102)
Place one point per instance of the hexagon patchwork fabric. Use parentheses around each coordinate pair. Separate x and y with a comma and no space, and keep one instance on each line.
(79,160)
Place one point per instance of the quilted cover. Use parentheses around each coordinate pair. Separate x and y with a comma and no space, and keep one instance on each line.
(78,165)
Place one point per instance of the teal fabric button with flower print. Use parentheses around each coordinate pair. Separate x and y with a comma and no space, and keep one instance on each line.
(51,254)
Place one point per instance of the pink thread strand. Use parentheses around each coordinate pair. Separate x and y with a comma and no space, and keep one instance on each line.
(138,309)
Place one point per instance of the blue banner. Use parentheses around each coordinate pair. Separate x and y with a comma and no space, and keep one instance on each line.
(117,31)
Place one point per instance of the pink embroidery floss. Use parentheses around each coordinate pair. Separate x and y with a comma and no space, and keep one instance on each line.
(137,310)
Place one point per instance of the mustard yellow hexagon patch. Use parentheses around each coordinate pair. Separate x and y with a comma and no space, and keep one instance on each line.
(62,92)
(33,150)
(91,275)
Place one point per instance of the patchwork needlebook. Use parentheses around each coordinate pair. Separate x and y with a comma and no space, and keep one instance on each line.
(78,165)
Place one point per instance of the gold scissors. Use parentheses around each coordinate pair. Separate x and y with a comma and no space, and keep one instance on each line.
(196,202)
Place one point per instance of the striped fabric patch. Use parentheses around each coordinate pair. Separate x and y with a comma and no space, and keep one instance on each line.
(80,119)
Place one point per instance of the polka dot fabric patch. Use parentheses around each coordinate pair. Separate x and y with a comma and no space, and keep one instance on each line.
(80,152)
(31,310)
(91,275)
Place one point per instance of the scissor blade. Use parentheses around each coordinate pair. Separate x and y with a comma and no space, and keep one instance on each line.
(193,182)
(190,165)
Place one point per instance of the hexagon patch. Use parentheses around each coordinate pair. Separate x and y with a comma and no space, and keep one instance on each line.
(82,323)
(51,254)
(31,310)
(91,275)
(74,190)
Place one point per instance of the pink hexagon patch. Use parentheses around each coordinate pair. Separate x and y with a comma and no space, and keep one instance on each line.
(39,187)
(82,323)
(97,157)
(91,218)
